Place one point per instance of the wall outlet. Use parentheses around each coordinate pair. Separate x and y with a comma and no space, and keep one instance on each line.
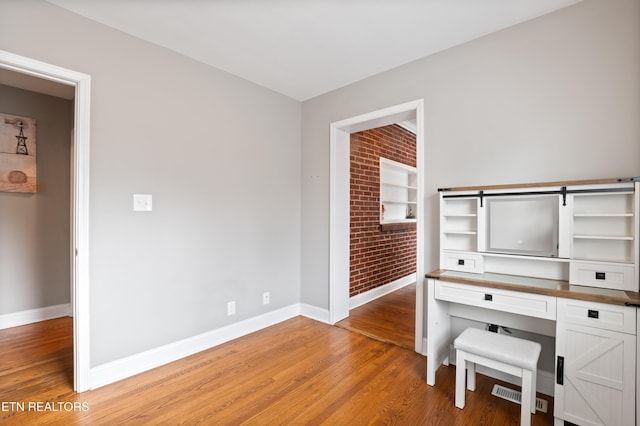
(266,298)
(231,308)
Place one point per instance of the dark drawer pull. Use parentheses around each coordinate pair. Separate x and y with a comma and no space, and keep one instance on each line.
(461,262)
(601,276)
(488,297)
(560,371)
(593,313)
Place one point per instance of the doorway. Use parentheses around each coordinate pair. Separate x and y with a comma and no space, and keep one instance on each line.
(389,318)
(340,133)
(40,72)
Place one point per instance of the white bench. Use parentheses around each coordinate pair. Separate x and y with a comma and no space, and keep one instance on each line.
(509,354)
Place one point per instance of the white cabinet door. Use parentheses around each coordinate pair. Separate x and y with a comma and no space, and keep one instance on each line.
(596,383)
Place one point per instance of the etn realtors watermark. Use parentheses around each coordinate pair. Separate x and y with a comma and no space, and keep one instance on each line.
(43,406)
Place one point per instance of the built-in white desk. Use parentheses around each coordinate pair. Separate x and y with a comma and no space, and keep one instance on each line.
(594,330)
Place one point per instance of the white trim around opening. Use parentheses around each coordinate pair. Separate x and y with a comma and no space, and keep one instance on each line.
(340,132)
(80,196)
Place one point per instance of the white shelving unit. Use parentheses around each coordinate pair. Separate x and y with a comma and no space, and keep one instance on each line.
(459,224)
(398,192)
(597,232)
(604,240)
(604,227)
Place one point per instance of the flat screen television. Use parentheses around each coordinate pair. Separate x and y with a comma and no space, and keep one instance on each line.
(526,225)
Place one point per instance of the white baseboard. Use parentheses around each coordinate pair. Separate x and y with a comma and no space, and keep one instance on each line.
(138,363)
(30,316)
(362,298)
(314,313)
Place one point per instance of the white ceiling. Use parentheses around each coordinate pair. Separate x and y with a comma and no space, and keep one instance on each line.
(304,48)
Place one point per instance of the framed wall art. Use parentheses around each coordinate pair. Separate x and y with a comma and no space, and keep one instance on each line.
(17,154)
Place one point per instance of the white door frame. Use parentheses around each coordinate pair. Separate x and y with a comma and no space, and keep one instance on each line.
(80,198)
(340,135)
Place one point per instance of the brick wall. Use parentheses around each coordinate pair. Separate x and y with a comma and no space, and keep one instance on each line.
(377,257)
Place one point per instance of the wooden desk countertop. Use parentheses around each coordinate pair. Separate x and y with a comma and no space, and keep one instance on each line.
(539,286)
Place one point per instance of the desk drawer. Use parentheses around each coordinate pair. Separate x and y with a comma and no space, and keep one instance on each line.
(465,262)
(533,305)
(619,277)
(598,315)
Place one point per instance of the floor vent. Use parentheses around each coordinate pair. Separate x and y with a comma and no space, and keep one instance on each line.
(516,396)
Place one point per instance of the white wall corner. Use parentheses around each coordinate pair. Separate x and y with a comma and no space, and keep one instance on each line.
(315,313)
(30,316)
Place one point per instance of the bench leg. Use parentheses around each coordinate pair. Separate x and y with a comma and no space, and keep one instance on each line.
(471,376)
(460,376)
(534,376)
(525,410)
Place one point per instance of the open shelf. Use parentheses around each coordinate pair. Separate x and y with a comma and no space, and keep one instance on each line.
(398,192)
(459,224)
(605,237)
(604,227)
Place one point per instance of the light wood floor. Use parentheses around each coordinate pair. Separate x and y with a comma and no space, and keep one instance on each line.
(298,372)
(390,318)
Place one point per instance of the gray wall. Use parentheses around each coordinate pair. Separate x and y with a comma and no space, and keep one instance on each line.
(221,157)
(227,161)
(34,228)
(554,98)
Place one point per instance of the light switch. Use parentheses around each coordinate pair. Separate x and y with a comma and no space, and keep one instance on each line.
(142,203)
